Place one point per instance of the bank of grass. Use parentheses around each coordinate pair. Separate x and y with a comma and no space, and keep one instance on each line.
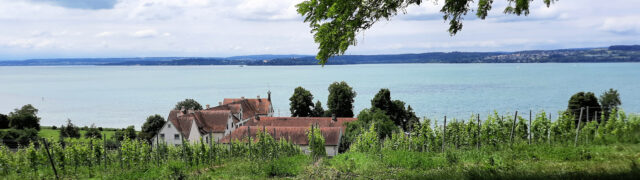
(50,133)
(619,161)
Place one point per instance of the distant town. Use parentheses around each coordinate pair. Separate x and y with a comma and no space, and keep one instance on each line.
(615,53)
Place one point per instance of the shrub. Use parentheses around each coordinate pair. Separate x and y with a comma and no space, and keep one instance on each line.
(70,130)
(93,132)
(316,143)
(287,166)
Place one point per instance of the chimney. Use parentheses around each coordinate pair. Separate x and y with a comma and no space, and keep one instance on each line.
(269,95)
(208,106)
(242,97)
(259,98)
(334,118)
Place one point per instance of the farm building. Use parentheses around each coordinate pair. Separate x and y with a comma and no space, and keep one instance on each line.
(212,122)
(295,135)
(295,130)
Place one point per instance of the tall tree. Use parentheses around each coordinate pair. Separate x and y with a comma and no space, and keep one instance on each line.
(340,101)
(4,121)
(382,100)
(318,111)
(609,100)
(188,104)
(151,126)
(301,102)
(335,23)
(412,119)
(24,118)
(583,100)
(395,109)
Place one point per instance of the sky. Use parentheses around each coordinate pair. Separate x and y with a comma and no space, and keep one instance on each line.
(218,28)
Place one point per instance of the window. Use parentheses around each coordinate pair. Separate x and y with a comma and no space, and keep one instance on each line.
(162,136)
(176,136)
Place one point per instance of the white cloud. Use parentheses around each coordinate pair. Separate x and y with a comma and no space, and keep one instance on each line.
(239,27)
(104,34)
(146,33)
(622,25)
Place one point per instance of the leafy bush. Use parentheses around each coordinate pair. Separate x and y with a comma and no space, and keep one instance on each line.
(316,143)
(18,137)
(93,132)
(70,130)
(286,166)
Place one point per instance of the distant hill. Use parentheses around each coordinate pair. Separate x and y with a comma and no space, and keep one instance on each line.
(616,53)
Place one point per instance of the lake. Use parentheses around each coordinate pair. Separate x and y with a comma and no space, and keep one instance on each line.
(118,96)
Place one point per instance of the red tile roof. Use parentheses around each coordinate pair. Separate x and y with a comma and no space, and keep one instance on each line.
(300,121)
(260,106)
(214,121)
(295,135)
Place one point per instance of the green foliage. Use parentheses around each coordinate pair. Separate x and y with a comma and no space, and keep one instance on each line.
(367,141)
(93,132)
(540,128)
(128,133)
(301,103)
(69,131)
(395,109)
(609,100)
(18,137)
(316,143)
(24,118)
(151,126)
(188,104)
(286,166)
(336,23)
(4,121)
(583,100)
(340,101)
(318,111)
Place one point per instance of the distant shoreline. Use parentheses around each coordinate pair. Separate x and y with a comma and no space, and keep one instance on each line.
(612,54)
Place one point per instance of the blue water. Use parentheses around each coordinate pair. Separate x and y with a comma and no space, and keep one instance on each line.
(126,95)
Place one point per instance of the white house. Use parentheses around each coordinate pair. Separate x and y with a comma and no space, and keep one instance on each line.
(212,122)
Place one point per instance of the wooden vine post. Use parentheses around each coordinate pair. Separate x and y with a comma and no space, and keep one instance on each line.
(478,137)
(575,142)
(530,137)
(444,133)
(53,165)
(513,127)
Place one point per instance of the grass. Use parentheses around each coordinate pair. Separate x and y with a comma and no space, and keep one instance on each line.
(522,162)
(616,161)
(49,133)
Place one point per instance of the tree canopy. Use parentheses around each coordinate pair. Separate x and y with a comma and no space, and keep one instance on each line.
(69,131)
(4,121)
(24,118)
(583,100)
(609,101)
(340,101)
(335,23)
(301,103)
(318,111)
(188,104)
(93,132)
(129,133)
(395,109)
(151,126)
